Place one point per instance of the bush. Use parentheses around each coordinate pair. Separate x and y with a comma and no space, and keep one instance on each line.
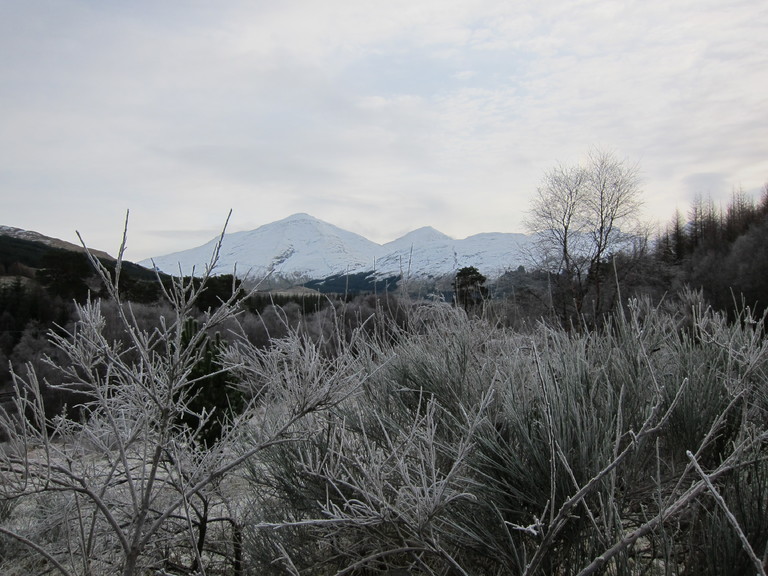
(474,450)
(135,488)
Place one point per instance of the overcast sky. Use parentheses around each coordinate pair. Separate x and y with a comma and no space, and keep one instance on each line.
(377,116)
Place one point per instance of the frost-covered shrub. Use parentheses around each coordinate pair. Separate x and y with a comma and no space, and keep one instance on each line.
(135,489)
(471,449)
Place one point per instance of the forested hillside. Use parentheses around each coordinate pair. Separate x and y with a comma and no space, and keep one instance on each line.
(39,285)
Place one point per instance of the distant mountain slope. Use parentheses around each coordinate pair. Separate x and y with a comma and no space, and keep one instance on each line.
(32,236)
(303,247)
(63,268)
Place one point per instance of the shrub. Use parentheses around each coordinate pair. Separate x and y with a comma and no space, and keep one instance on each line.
(475,450)
(136,490)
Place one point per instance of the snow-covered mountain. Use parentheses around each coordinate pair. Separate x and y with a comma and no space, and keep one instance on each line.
(302,247)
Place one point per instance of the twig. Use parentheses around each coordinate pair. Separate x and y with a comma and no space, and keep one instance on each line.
(729,515)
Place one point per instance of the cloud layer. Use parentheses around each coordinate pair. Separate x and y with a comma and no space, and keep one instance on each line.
(379,117)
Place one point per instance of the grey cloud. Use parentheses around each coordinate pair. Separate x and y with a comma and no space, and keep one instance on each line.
(704,184)
(259,163)
(387,114)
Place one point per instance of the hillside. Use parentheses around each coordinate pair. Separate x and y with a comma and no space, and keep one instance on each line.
(32,236)
(63,268)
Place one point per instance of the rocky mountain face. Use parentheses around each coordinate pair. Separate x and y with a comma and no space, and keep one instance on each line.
(303,247)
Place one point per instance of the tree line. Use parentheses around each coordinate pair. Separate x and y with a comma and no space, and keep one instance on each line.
(722,250)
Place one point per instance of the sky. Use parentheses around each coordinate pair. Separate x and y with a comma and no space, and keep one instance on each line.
(377,116)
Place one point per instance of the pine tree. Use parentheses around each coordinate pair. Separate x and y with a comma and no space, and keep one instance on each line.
(211,391)
(469,287)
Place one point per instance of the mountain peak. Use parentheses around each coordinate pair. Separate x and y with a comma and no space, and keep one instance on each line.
(301,246)
(423,235)
(299,217)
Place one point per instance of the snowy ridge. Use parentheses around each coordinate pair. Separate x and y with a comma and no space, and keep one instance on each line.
(33,236)
(302,246)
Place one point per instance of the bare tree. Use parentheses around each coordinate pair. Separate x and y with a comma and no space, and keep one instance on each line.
(582,215)
(556,217)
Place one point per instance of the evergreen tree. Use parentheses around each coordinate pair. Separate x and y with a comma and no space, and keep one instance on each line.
(469,287)
(65,274)
(211,391)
